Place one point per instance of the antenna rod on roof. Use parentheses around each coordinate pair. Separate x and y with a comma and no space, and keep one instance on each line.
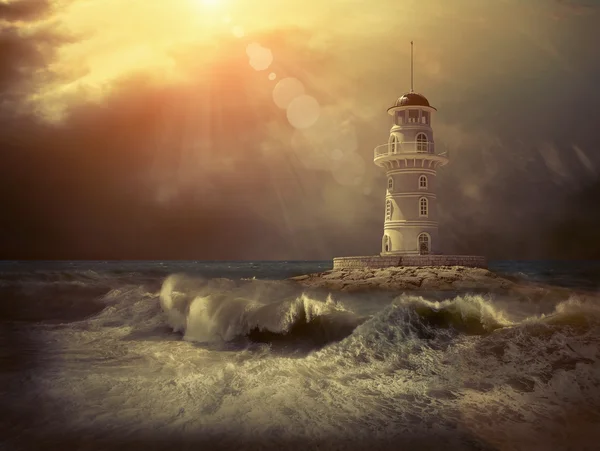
(411,68)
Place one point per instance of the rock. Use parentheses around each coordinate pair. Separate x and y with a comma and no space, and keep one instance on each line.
(432,283)
(334,285)
(399,278)
(447,278)
(412,281)
(464,284)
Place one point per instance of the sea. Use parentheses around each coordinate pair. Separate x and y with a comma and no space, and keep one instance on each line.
(170,355)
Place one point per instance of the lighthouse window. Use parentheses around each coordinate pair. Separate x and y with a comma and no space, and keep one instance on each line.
(388,210)
(423,207)
(390,184)
(424,117)
(413,116)
(399,117)
(393,144)
(423,182)
(422,146)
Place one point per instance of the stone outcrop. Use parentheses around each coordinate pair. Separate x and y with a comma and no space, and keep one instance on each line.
(427,278)
(405,278)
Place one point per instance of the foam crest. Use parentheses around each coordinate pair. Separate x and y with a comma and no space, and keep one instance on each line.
(471,314)
(412,328)
(576,312)
(219,310)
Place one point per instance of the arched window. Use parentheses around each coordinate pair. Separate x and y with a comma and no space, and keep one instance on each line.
(424,241)
(387,243)
(393,144)
(390,184)
(423,207)
(422,144)
(388,210)
(423,182)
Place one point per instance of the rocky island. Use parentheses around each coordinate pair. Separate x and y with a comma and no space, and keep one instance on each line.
(427,278)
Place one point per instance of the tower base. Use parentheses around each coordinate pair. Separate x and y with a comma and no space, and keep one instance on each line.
(378,261)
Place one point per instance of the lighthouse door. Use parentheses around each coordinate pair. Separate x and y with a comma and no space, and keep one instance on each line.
(424,243)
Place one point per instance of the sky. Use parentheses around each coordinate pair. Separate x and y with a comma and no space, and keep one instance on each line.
(244,130)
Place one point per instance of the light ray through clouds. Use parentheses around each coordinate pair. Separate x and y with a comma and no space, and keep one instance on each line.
(159,23)
(303,112)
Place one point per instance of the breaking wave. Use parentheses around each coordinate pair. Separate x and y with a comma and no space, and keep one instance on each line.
(472,315)
(575,312)
(218,310)
(413,326)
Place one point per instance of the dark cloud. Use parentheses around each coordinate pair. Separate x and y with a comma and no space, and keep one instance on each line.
(25,58)
(24,10)
(82,189)
(17,56)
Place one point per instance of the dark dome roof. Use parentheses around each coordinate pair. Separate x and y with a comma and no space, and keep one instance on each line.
(412,99)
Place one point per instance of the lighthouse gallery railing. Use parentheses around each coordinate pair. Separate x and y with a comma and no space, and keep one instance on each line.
(406,147)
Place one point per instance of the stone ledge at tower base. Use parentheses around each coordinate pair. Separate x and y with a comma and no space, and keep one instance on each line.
(378,261)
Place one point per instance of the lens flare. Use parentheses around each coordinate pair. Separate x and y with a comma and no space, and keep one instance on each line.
(303,111)
(287,90)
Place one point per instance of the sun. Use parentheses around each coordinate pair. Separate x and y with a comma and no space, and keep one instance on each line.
(209,4)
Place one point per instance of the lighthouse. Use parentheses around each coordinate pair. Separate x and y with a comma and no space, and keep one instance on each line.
(410,161)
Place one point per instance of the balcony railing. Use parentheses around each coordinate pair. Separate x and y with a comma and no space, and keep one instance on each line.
(410,147)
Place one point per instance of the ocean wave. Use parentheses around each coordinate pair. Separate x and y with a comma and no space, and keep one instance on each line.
(219,310)
(42,279)
(412,327)
(66,295)
(576,312)
(472,315)
(412,330)
(417,317)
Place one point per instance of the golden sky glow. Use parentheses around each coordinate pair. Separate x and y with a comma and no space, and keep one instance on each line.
(119,37)
(115,38)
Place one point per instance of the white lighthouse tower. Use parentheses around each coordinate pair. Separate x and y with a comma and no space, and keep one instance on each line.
(410,230)
(410,161)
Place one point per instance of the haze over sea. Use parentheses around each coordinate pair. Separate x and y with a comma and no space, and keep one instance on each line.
(230,355)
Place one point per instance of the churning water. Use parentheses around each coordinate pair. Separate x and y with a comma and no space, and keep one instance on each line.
(178,355)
